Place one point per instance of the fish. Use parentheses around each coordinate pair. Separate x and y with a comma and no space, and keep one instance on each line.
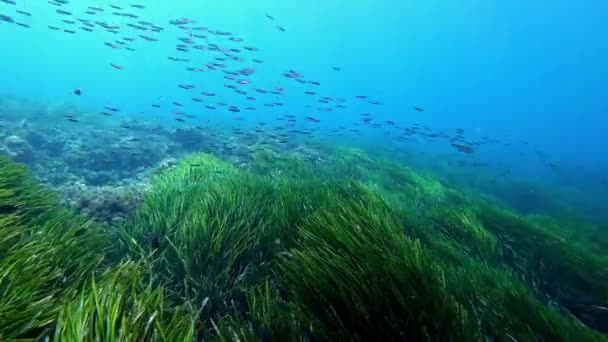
(178,59)
(247,71)
(138,27)
(463,148)
(77,91)
(194,69)
(116,66)
(281,28)
(112,109)
(148,38)
(182,21)
(6,18)
(269,17)
(24,13)
(113,46)
(419,109)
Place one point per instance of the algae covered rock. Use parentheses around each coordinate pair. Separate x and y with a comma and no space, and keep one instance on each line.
(18,148)
(109,204)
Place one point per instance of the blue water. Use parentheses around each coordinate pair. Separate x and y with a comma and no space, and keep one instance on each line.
(518,71)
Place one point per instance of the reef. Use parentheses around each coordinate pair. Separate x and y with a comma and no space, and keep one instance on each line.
(348,248)
(104,171)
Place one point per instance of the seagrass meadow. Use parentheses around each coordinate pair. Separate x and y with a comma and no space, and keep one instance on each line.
(359,249)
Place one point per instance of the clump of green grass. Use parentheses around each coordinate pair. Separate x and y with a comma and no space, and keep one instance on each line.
(46,253)
(461,228)
(555,260)
(121,306)
(504,308)
(21,199)
(355,275)
(208,231)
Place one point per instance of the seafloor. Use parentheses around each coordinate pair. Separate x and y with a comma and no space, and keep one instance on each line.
(141,233)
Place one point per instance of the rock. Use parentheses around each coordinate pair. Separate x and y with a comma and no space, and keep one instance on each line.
(19,149)
(168,163)
(106,204)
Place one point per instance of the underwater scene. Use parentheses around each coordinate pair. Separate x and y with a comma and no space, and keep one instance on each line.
(247,170)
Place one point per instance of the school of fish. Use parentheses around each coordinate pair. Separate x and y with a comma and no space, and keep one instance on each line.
(222,54)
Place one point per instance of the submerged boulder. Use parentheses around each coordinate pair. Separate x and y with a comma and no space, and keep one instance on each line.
(107,204)
(18,148)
